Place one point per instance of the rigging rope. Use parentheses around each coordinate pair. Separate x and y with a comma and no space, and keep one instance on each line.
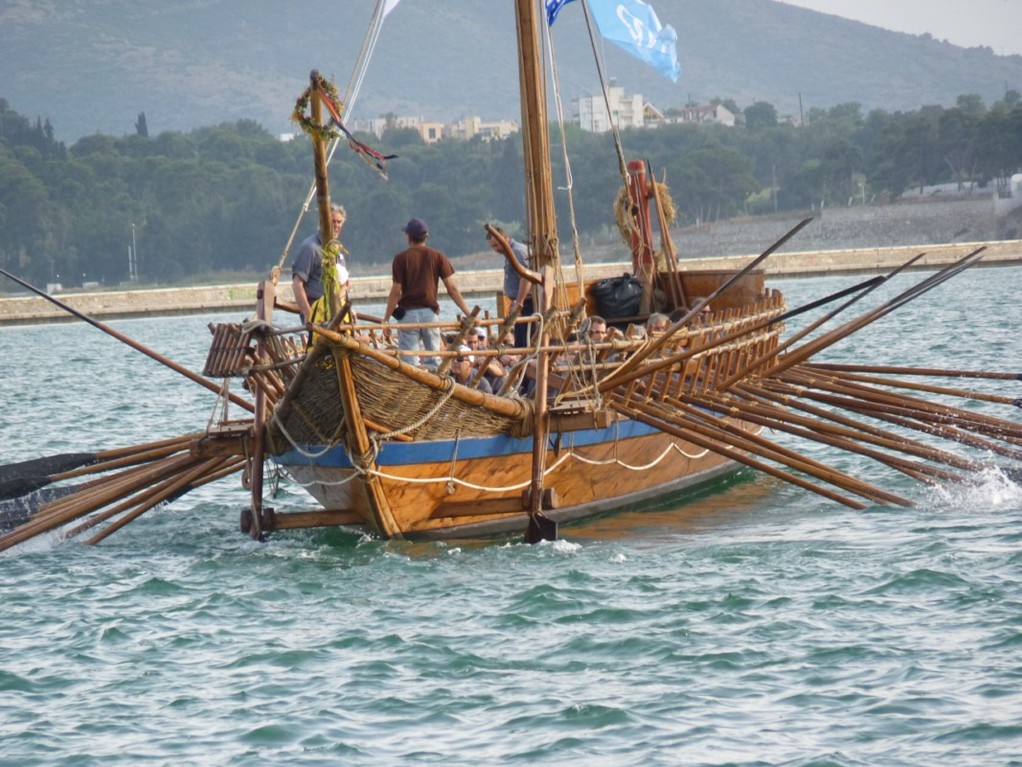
(365,55)
(568,178)
(622,166)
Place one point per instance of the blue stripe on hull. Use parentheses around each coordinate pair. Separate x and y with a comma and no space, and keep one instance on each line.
(409,453)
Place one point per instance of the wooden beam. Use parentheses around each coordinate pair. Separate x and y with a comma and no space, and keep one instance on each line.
(299,520)
(479,508)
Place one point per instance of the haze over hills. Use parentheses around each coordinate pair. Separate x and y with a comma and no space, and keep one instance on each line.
(93,66)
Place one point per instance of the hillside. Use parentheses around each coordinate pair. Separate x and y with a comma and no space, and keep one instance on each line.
(92,67)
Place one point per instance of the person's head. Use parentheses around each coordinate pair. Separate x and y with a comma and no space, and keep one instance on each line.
(337,218)
(657,323)
(417,231)
(478,338)
(493,242)
(461,368)
(597,330)
(636,333)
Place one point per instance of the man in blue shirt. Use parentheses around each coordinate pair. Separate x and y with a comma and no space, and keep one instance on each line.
(307,268)
(516,289)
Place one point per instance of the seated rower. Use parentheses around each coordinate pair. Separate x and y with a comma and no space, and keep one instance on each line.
(463,371)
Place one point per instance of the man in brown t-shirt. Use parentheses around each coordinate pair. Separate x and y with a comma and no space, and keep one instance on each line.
(416,274)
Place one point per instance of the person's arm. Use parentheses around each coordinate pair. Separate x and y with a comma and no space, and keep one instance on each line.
(392,299)
(455,294)
(495,368)
(524,288)
(301,297)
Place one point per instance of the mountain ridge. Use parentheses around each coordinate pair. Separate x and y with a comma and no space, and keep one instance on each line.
(92,67)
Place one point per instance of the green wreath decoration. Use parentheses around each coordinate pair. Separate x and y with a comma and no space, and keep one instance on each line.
(305,120)
(331,284)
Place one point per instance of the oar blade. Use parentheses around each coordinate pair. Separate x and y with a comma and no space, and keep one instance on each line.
(540,528)
(25,476)
(15,512)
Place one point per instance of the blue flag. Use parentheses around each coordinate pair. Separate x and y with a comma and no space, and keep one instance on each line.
(634,26)
(553,7)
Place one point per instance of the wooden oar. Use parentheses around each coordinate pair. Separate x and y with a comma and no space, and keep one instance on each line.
(211,385)
(693,350)
(722,447)
(807,350)
(689,416)
(931,372)
(633,362)
(180,482)
(232,465)
(780,420)
(867,288)
(15,512)
(1006,431)
(17,479)
(940,422)
(917,421)
(998,399)
(61,512)
(853,427)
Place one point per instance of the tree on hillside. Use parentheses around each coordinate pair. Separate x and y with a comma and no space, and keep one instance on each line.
(760,115)
(141,128)
(23,219)
(958,143)
(999,148)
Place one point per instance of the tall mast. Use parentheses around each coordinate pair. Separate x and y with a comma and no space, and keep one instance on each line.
(535,136)
(539,195)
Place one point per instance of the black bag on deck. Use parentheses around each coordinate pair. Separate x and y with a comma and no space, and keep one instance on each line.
(618,296)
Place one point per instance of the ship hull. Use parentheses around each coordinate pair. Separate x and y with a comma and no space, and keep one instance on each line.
(477,486)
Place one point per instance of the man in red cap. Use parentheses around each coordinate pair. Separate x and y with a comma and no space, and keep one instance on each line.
(416,273)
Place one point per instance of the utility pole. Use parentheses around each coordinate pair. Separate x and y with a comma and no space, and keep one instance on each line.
(133,258)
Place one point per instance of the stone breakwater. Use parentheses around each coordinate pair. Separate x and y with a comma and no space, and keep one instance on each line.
(30,309)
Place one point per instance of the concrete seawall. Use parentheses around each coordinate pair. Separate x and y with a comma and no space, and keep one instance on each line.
(29,309)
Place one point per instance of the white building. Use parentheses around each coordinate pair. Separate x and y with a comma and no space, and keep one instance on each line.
(625,111)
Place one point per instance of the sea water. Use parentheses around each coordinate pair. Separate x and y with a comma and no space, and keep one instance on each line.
(757,624)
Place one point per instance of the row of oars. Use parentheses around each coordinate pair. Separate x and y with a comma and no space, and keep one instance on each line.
(709,395)
(148,475)
(719,421)
(17,479)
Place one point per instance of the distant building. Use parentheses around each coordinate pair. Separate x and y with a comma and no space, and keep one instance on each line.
(470,127)
(625,111)
(704,113)
(651,116)
(431,132)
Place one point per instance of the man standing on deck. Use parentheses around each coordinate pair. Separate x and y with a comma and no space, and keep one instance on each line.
(517,290)
(416,274)
(307,268)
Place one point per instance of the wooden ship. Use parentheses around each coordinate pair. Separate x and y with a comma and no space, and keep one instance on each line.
(388,446)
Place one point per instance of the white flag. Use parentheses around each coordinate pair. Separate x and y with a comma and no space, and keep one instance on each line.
(388,6)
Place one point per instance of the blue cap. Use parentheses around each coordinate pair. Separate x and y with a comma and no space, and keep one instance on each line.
(416,228)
